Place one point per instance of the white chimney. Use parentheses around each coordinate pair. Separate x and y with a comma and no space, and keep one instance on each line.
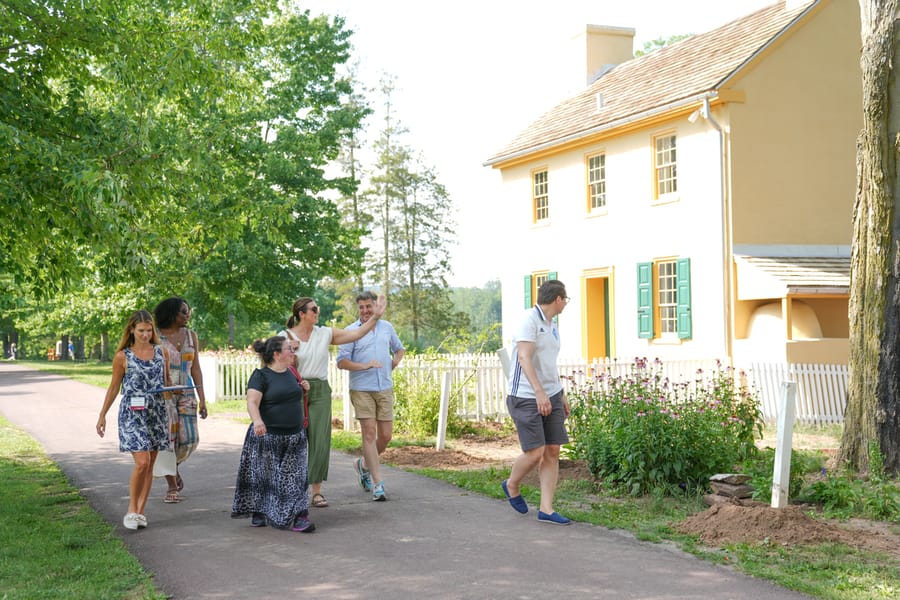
(601,48)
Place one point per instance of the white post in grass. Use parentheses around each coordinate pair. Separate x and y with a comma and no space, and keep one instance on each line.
(445,408)
(781,479)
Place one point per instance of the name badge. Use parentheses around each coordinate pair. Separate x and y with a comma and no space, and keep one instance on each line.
(138,403)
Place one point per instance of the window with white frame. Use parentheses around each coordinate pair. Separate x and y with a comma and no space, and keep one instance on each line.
(667,297)
(665,165)
(597,181)
(541,195)
(664,299)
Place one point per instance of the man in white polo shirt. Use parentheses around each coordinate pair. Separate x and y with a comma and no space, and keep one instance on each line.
(537,402)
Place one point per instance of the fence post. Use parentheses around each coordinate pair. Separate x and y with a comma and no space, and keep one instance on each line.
(781,479)
(445,408)
(503,353)
(209,370)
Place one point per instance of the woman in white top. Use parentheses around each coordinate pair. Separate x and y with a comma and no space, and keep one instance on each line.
(310,343)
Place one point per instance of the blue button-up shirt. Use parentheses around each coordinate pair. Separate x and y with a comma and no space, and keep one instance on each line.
(379,344)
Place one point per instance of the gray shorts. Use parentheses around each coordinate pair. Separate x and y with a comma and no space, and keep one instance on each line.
(534,429)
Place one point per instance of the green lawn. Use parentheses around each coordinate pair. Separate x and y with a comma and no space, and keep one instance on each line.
(52,544)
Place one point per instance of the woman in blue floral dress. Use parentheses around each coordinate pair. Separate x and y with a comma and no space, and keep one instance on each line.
(139,366)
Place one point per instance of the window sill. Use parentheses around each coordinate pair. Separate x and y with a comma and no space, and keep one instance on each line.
(541,224)
(668,199)
(667,341)
(597,212)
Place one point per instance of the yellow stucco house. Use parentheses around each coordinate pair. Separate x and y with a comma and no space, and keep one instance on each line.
(696,201)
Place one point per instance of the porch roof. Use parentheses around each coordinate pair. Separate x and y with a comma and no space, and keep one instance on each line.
(766,277)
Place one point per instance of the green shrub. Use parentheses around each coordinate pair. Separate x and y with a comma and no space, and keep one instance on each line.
(417,406)
(645,433)
(761,469)
(844,494)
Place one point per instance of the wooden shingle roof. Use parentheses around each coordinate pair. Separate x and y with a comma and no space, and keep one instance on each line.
(677,73)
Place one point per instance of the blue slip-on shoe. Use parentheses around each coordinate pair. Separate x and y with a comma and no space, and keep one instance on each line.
(518,502)
(553,518)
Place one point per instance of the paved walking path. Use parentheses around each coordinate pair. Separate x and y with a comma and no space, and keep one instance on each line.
(430,539)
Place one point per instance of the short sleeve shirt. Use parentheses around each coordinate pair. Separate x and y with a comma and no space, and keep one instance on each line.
(281,407)
(536,328)
(379,344)
(312,356)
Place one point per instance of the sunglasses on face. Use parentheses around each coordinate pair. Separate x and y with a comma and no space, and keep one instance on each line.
(314,309)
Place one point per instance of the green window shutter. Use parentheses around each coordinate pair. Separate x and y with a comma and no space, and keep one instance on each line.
(528,303)
(645,300)
(683,287)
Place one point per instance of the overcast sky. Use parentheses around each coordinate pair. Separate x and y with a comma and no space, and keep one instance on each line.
(471,74)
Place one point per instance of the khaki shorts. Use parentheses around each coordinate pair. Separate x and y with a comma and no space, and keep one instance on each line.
(373,405)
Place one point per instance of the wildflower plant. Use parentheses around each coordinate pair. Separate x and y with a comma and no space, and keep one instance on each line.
(646,433)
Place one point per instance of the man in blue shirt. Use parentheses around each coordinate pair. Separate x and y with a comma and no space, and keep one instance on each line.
(370,360)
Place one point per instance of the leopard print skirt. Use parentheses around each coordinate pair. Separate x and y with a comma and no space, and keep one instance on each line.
(272,478)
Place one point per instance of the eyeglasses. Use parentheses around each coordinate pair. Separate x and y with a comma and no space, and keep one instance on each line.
(288,350)
(565,299)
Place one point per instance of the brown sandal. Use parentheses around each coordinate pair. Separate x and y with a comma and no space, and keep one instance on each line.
(319,501)
(172,496)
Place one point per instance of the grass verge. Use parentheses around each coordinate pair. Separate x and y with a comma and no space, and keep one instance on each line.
(52,543)
(92,372)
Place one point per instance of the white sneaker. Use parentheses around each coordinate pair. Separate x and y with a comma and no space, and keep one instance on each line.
(131,521)
(142,521)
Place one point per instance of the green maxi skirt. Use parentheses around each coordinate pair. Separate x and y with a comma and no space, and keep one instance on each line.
(319,432)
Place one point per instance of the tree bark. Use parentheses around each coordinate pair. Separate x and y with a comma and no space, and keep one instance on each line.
(872,417)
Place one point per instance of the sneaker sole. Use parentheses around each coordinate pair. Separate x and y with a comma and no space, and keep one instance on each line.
(552,522)
(309,529)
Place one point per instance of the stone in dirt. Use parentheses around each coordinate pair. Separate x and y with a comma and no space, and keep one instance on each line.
(735,478)
(731,490)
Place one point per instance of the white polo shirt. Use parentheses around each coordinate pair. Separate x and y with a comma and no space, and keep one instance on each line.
(537,328)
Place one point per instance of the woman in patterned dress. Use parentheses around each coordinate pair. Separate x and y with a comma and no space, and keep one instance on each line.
(172,316)
(271,479)
(139,366)
(310,344)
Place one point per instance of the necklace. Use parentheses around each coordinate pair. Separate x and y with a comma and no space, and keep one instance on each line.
(170,337)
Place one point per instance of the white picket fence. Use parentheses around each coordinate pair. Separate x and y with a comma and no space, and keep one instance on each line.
(821,390)
(478,383)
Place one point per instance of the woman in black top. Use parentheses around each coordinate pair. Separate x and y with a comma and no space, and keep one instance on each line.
(272,473)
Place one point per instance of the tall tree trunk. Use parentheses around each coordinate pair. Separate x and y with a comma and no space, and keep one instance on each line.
(872,417)
(104,347)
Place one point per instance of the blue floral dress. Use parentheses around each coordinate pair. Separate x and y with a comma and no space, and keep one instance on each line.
(147,429)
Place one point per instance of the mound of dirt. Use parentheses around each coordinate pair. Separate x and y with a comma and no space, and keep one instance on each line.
(742,521)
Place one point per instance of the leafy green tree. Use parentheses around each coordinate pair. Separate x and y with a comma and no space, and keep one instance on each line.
(176,148)
(414,227)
